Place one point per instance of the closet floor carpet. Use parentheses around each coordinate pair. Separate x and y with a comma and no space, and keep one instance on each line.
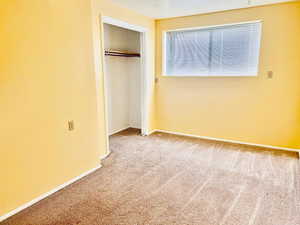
(167,179)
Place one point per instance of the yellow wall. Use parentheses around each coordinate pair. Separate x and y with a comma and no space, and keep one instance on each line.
(50,53)
(254,109)
(47,77)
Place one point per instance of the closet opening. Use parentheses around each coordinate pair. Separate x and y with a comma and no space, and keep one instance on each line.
(125,82)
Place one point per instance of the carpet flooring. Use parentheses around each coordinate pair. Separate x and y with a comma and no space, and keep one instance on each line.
(166,179)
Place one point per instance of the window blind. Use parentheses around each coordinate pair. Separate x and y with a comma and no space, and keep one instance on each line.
(230,50)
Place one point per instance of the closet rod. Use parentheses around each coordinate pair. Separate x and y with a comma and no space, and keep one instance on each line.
(121,54)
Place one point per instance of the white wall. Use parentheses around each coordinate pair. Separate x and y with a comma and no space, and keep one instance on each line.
(135,93)
(123,79)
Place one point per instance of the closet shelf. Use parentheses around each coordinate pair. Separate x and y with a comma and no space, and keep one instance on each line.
(121,53)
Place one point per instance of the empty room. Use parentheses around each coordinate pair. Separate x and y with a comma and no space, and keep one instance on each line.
(150,112)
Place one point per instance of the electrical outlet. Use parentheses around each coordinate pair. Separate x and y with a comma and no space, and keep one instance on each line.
(270,74)
(71,125)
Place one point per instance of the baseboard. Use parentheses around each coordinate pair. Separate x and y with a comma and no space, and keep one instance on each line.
(117,131)
(152,131)
(134,127)
(226,140)
(32,202)
(105,156)
(125,128)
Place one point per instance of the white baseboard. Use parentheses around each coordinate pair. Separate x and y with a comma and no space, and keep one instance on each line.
(135,127)
(153,131)
(105,156)
(119,130)
(28,204)
(125,128)
(226,140)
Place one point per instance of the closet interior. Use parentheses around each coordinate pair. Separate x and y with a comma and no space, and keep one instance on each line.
(122,71)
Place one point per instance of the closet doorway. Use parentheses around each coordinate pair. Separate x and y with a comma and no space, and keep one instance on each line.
(125,77)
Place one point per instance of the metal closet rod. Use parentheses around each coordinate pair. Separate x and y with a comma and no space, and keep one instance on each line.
(121,53)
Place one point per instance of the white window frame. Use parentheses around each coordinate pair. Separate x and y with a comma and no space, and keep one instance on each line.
(164,44)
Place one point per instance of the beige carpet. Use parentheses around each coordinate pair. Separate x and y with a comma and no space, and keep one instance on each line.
(166,179)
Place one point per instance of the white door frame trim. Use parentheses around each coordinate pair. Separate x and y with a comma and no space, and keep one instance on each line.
(123,24)
(145,100)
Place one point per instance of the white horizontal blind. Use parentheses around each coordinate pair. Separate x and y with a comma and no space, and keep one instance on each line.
(230,50)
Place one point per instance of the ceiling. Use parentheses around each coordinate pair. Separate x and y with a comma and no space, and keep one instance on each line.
(172,8)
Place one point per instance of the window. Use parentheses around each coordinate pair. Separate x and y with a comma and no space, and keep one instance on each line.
(227,50)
